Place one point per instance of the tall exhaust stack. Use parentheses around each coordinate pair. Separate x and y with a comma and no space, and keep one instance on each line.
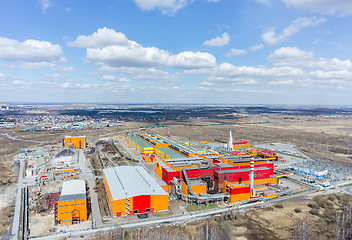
(231,142)
(251,174)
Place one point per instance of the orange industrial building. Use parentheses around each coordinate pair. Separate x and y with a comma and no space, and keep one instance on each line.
(131,190)
(74,142)
(72,203)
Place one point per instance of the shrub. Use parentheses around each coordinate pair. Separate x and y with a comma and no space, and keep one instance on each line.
(298,210)
(313,205)
(270,208)
(322,201)
(279,205)
(314,211)
(331,198)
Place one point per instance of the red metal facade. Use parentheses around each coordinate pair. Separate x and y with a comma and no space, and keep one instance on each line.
(141,203)
(219,178)
(238,190)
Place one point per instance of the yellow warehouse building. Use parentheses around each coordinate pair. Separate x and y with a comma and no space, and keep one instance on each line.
(74,142)
(72,204)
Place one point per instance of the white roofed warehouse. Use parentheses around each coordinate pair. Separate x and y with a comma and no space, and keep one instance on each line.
(131,190)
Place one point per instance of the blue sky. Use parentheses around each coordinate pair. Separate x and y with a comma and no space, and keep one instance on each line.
(176,51)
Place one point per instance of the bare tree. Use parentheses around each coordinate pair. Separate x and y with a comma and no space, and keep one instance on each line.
(302,231)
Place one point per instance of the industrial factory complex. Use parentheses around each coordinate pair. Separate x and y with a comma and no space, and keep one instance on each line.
(140,175)
(202,175)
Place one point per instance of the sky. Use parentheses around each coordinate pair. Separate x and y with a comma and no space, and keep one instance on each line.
(176,51)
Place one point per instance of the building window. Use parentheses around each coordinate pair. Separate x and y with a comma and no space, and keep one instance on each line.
(66,212)
(82,203)
(61,206)
(66,205)
(72,204)
(60,212)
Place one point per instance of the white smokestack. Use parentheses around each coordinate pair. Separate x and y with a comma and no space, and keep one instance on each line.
(251,174)
(231,142)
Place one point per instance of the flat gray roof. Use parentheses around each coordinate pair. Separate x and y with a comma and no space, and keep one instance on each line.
(73,190)
(171,153)
(73,187)
(80,196)
(128,181)
(140,142)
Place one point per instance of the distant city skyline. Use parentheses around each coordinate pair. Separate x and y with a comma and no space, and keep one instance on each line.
(177,51)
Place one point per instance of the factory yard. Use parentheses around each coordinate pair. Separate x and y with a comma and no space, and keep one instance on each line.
(175,164)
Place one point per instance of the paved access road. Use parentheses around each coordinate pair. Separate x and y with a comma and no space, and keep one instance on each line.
(17,215)
(87,174)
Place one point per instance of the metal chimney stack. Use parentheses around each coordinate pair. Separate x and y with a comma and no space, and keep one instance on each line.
(251,174)
(231,141)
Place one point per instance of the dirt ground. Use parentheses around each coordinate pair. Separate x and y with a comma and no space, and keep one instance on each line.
(41,224)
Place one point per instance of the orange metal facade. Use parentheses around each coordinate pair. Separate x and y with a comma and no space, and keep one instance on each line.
(72,212)
(75,142)
(128,206)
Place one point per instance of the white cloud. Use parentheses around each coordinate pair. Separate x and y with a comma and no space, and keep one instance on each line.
(292,70)
(235,52)
(141,73)
(270,37)
(45,4)
(109,48)
(63,69)
(294,57)
(29,50)
(286,55)
(2,75)
(17,82)
(53,76)
(235,80)
(103,37)
(281,82)
(343,7)
(114,78)
(68,9)
(206,83)
(73,85)
(34,65)
(256,47)
(166,7)
(219,41)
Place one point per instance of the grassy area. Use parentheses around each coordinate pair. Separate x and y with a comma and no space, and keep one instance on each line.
(163,214)
(202,207)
